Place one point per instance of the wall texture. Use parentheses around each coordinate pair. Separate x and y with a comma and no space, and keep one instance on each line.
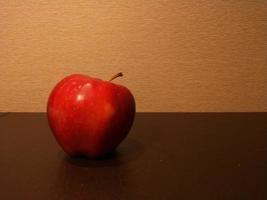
(176,55)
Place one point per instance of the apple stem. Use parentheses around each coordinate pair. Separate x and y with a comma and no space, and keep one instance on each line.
(116,76)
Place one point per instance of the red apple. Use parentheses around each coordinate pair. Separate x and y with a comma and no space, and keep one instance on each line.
(89,116)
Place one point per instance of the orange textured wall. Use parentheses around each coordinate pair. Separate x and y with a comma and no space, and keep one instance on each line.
(176,55)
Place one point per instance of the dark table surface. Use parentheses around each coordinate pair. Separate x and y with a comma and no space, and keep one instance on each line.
(166,156)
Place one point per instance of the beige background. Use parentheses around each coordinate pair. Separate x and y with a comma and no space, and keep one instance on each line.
(176,55)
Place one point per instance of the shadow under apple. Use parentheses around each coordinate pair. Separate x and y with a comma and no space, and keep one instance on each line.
(128,151)
(104,178)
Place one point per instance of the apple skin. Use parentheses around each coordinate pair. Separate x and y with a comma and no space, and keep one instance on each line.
(88,116)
